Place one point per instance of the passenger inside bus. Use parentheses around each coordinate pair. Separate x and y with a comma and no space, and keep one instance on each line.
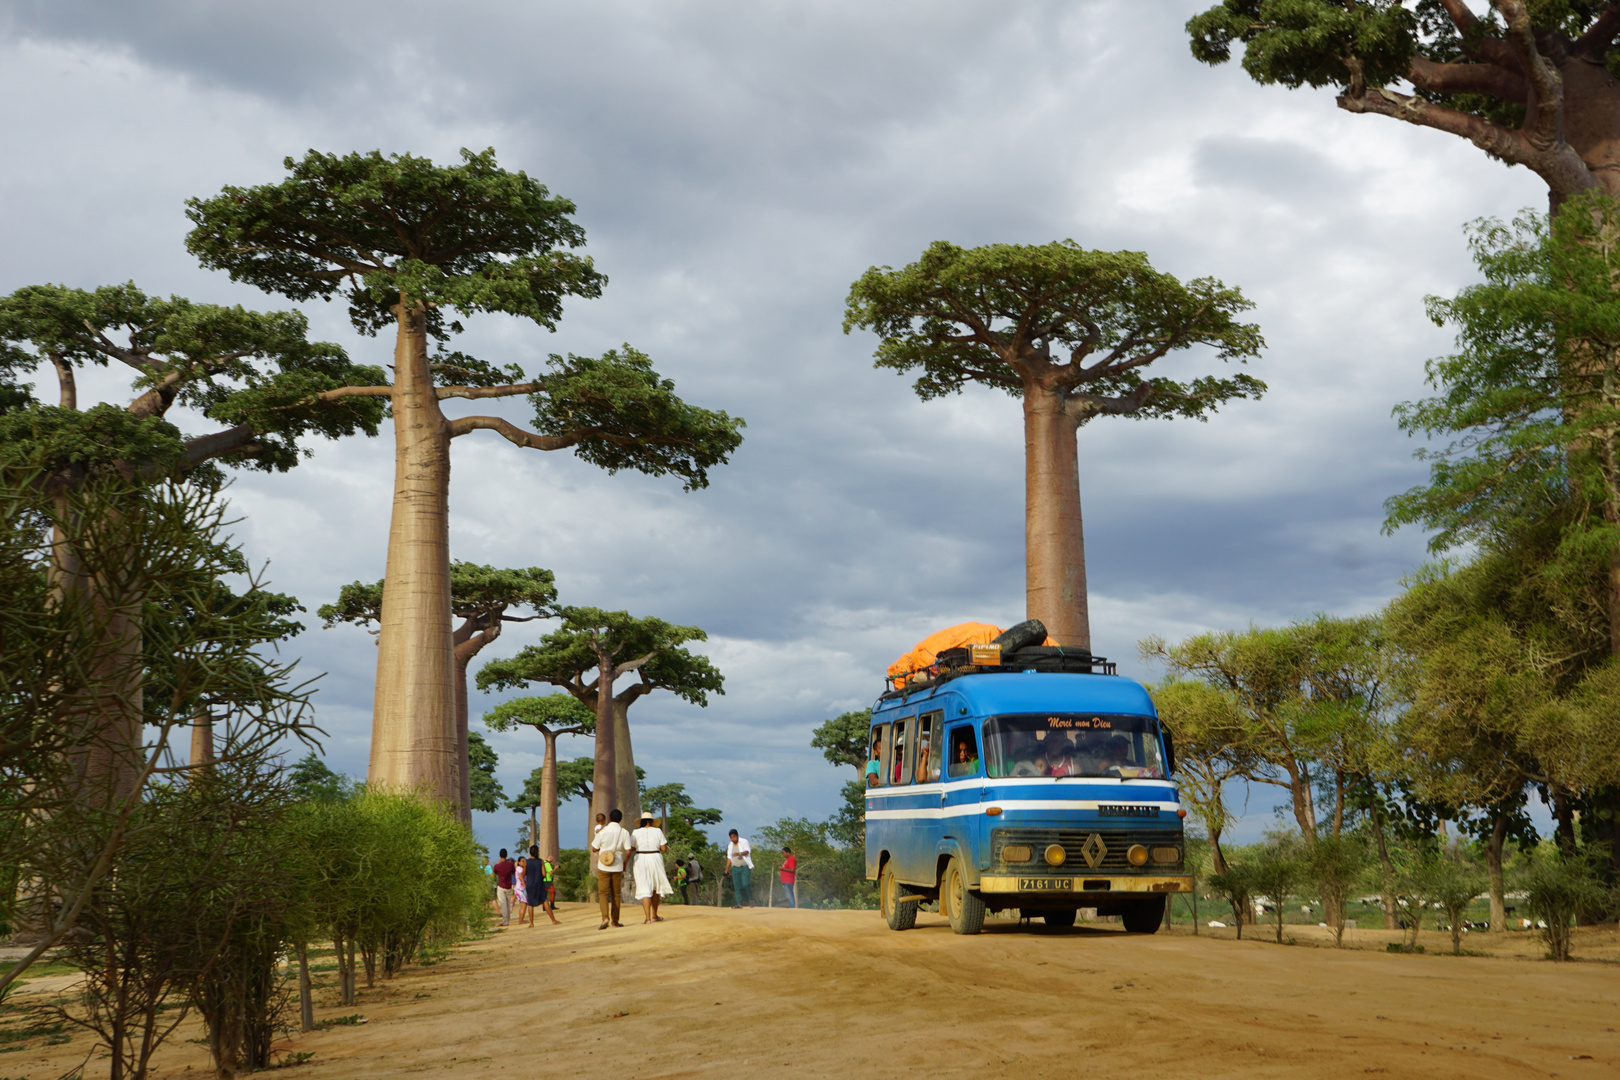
(924,773)
(874,765)
(1125,747)
(964,758)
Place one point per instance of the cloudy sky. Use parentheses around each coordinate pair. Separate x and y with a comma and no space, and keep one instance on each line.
(735,167)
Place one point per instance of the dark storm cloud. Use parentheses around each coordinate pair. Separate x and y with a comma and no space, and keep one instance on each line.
(736,167)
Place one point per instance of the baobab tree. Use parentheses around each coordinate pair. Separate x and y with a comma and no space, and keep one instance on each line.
(255,377)
(1528,83)
(417,246)
(1070,332)
(483,598)
(608,645)
(553,716)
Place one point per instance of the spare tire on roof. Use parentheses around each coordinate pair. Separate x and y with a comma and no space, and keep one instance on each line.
(1028,632)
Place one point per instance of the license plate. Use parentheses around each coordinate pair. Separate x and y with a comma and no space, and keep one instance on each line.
(1127,811)
(1045,884)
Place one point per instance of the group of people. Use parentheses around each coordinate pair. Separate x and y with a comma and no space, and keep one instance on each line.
(529,883)
(613,848)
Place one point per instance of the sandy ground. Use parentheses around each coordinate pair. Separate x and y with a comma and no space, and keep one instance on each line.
(836,994)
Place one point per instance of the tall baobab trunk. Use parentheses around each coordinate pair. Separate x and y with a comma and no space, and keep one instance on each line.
(463,744)
(202,740)
(550,843)
(413,718)
(604,773)
(1054,544)
(624,772)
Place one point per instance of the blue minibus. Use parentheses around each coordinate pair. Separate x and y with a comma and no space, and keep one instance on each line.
(1039,781)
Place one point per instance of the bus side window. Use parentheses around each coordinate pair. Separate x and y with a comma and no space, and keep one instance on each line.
(898,772)
(964,752)
(928,741)
(880,751)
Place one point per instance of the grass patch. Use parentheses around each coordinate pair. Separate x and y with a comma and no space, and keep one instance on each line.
(341,1021)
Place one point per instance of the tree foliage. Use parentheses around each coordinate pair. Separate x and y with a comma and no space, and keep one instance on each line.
(1081,324)
(1517,81)
(453,241)
(255,373)
(481,760)
(843,739)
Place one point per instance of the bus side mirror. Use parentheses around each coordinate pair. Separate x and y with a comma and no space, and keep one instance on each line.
(1169,753)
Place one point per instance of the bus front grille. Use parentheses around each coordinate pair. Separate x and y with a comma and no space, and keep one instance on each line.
(1081,854)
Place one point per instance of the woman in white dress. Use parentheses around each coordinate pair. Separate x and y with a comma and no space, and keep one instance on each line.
(652,883)
(521,894)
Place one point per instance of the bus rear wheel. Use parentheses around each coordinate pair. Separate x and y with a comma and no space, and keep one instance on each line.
(964,907)
(899,916)
(1143,916)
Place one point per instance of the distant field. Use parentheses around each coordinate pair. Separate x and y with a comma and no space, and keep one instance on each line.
(717,993)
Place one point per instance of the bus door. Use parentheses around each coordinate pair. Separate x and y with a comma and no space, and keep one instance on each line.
(929,801)
(961,819)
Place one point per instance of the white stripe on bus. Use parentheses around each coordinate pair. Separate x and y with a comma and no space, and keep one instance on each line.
(968,809)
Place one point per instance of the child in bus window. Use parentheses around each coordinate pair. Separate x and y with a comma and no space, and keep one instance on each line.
(874,767)
(922,776)
(963,761)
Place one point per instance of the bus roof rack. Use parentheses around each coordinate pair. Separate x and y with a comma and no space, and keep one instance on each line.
(989,659)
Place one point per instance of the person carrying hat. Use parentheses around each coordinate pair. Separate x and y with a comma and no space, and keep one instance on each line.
(652,884)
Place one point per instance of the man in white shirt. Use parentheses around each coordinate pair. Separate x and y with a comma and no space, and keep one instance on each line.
(607,853)
(740,865)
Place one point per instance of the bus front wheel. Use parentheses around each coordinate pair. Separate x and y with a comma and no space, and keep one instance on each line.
(964,907)
(899,916)
(1143,916)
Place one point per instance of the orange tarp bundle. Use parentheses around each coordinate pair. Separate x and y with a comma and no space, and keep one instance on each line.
(955,637)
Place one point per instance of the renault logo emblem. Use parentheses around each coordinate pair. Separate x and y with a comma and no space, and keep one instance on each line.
(1094,850)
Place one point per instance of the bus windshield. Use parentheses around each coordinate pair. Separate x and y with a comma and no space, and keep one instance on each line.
(1073,744)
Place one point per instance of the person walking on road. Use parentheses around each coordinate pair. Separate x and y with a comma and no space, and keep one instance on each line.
(681,878)
(534,885)
(520,891)
(608,849)
(504,871)
(790,876)
(548,883)
(652,884)
(740,865)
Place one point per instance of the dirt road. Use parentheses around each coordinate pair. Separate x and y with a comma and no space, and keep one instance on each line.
(836,994)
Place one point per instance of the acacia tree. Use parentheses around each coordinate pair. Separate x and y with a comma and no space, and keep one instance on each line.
(553,716)
(1070,332)
(482,597)
(1212,747)
(415,246)
(1530,83)
(608,645)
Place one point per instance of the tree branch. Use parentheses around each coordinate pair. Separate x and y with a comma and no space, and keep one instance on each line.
(354,391)
(1563,170)
(510,390)
(514,434)
(1544,125)
(1489,79)
(1593,44)
(1082,407)
(203,447)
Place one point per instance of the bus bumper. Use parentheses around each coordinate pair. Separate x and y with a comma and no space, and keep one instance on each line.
(1077,886)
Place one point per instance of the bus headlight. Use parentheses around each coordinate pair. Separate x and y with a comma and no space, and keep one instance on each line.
(1137,855)
(1166,854)
(1055,855)
(1017,853)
